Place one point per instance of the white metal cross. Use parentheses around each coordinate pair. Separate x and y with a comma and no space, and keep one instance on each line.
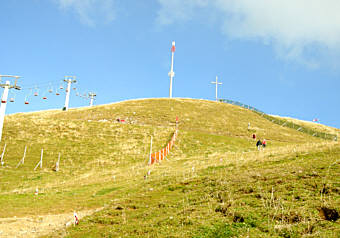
(217,83)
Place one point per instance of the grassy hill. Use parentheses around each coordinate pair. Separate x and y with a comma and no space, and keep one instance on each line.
(313,125)
(214,183)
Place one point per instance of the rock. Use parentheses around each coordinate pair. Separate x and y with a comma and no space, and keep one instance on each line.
(238,218)
(328,214)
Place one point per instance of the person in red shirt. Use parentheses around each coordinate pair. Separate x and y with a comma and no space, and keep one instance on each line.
(264,143)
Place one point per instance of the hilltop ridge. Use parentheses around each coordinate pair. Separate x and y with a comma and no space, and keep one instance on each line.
(104,166)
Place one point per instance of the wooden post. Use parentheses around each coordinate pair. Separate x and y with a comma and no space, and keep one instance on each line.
(41,158)
(22,161)
(150,151)
(2,156)
(57,164)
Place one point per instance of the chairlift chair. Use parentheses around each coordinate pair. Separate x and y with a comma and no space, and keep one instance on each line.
(11,99)
(50,88)
(44,98)
(26,98)
(36,91)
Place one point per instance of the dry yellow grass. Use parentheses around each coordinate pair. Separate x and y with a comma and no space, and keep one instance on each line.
(104,162)
(313,125)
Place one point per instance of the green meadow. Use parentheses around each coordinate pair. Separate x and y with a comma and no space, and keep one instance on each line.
(214,183)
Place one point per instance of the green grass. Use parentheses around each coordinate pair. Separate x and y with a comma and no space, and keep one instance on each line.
(262,197)
(320,131)
(213,184)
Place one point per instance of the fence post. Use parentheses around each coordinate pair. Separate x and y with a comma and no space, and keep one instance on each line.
(22,161)
(41,158)
(57,164)
(150,151)
(2,155)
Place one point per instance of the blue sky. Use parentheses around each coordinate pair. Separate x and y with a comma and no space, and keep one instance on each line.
(282,57)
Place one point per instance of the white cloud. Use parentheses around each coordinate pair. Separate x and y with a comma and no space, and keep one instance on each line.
(90,12)
(296,28)
(178,10)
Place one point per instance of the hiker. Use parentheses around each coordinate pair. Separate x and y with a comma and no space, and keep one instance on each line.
(258,144)
(264,143)
(248,125)
(254,137)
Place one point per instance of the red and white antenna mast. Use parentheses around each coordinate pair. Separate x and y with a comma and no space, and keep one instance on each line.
(172,73)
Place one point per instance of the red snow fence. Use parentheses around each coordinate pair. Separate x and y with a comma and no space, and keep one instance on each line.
(163,153)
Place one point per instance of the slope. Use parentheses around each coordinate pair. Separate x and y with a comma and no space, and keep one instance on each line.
(313,125)
(103,162)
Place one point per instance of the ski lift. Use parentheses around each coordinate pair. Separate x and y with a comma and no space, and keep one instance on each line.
(27,97)
(44,94)
(26,100)
(50,90)
(66,90)
(3,101)
(12,99)
(36,92)
(57,93)
(61,87)
(74,88)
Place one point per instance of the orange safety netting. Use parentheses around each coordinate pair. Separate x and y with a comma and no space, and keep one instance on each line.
(160,155)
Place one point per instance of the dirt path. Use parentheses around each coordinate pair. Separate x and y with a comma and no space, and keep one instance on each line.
(36,226)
